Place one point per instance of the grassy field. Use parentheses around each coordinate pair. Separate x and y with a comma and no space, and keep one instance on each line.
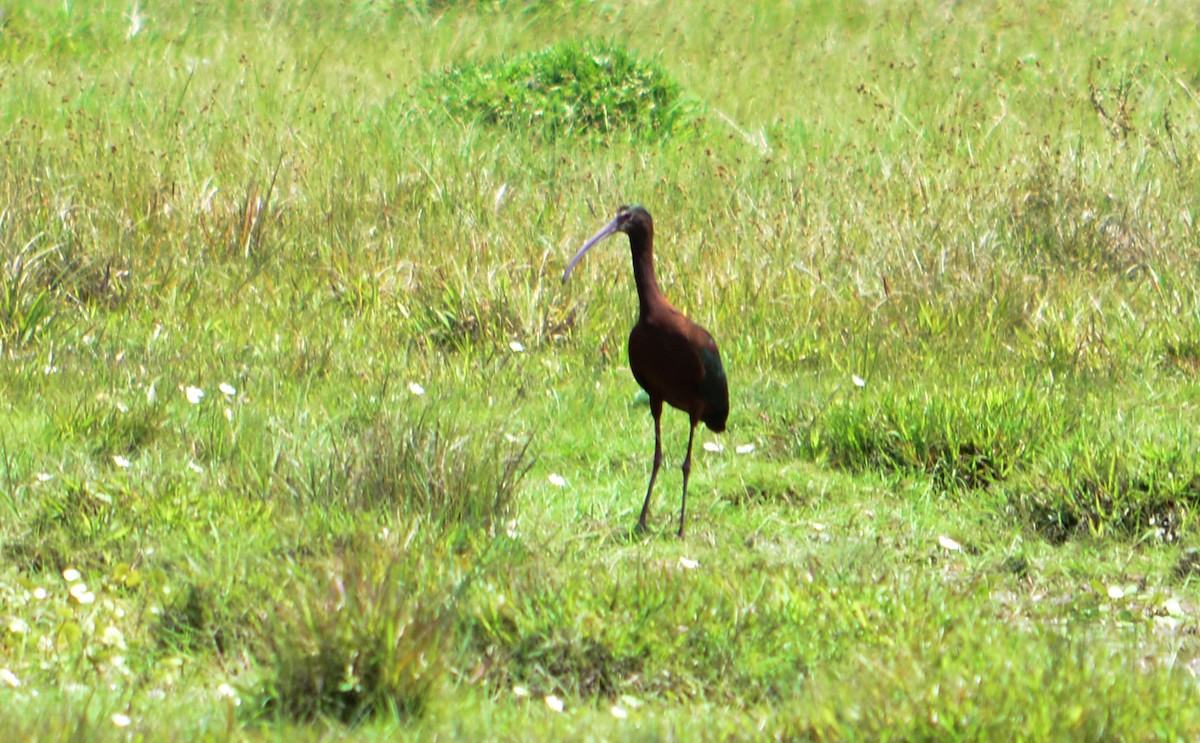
(301,436)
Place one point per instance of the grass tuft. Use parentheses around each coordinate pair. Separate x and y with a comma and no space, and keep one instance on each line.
(357,642)
(414,465)
(110,429)
(26,306)
(189,620)
(71,522)
(580,666)
(961,685)
(1056,222)
(962,439)
(1112,488)
(571,89)
(1182,354)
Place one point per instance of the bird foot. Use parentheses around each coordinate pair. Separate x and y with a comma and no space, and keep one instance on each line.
(632,535)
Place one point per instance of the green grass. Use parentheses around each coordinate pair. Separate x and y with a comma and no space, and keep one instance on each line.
(567,90)
(949,255)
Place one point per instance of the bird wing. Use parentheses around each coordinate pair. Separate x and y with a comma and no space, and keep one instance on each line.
(714,388)
(664,364)
(676,360)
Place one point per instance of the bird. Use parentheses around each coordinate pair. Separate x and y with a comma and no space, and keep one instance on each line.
(673,359)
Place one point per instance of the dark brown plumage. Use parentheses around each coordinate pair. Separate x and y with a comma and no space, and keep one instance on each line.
(674,360)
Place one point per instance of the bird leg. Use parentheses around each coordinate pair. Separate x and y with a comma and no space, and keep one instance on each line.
(687,469)
(656,411)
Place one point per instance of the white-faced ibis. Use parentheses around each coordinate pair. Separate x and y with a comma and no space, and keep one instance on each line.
(674,360)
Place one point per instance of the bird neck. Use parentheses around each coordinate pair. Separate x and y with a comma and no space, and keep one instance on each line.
(649,295)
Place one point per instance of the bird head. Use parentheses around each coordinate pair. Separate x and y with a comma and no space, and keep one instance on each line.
(631,219)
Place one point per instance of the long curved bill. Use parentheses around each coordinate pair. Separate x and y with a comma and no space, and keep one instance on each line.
(609,229)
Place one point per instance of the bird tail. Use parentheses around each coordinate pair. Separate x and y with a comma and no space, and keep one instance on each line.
(714,390)
(715,418)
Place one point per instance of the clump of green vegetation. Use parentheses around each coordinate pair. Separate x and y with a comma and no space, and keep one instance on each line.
(111,429)
(25,301)
(961,439)
(1112,487)
(569,89)
(363,641)
(37,282)
(1056,222)
(440,6)
(1182,355)
(935,695)
(70,522)
(188,620)
(530,631)
(419,467)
